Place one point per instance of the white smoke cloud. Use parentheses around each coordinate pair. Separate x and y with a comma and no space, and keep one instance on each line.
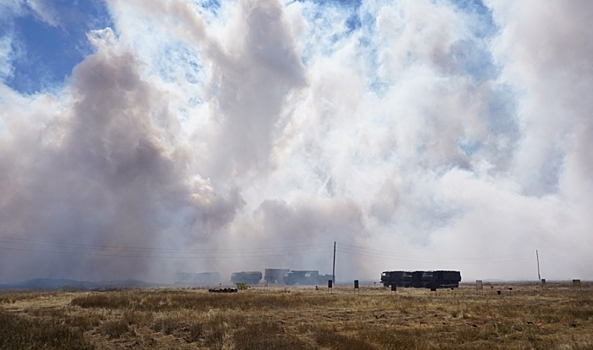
(6,53)
(417,135)
(40,9)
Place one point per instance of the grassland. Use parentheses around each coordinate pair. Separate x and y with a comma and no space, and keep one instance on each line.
(557,317)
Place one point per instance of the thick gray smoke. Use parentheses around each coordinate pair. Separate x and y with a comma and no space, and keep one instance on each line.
(416,134)
(102,172)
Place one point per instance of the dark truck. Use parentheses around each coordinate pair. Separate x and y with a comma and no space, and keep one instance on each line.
(421,279)
(441,279)
(389,278)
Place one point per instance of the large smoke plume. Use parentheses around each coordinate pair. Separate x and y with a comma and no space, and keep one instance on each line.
(417,134)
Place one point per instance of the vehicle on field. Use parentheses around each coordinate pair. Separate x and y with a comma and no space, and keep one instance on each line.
(275,276)
(392,277)
(421,279)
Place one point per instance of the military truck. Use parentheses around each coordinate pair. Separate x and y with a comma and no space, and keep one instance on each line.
(389,278)
(441,279)
(421,279)
(275,276)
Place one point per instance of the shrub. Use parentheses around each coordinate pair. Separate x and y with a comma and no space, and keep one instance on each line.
(115,329)
(17,332)
(105,301)
(332,340)
(242,286)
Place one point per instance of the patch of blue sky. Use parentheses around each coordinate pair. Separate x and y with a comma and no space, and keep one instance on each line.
(8,8)
(178,63)
(179,60)
(475,59)
(468,146)
(208,9)
(6,53)
(344,3)
(7,49)
(473,55)
(350,7)
(483,25)
(2,126)
(333,25)
(353,22)
(369,44)
(46,48)
(364,32)
(330,22)
(210,5)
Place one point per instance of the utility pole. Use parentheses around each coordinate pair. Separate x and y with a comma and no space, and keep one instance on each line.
(334,268)
(539,277)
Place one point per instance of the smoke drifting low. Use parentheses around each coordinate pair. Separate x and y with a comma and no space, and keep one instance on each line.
(254,134)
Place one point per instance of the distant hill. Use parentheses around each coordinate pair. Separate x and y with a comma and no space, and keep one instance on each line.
(59,284)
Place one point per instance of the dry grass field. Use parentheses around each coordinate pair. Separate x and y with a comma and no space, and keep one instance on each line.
(557,317)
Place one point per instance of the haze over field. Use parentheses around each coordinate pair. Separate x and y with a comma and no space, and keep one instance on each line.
(143,138)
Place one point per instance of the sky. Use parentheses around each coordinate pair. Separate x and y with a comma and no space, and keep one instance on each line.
(139,139)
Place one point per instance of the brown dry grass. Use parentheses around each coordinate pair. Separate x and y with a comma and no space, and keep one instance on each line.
(559,317)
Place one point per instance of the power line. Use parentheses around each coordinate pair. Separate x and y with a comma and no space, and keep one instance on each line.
(359,249)
(24,241)
(55,247)
(565,260)
(396,256)
(433,259)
